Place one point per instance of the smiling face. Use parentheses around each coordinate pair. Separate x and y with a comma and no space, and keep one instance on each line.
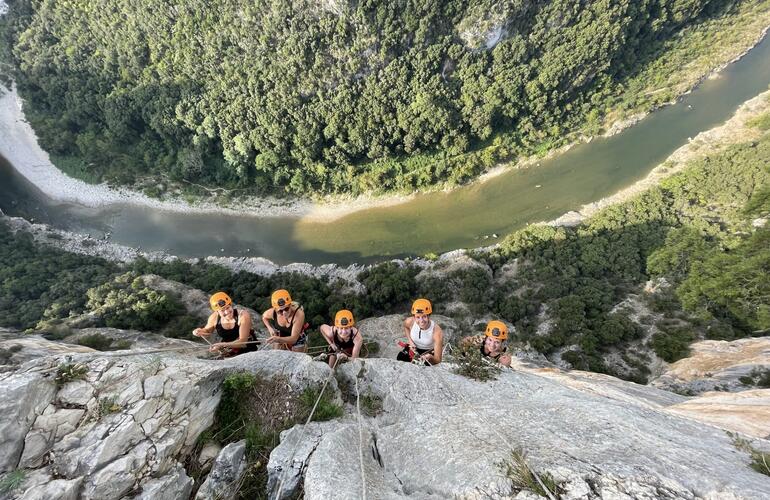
(422,320)
(345,333)
(492,344)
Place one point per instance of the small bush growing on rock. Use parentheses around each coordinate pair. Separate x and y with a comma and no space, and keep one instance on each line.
(522,477)
(102,342)
(757,378)
(7,354)
(67,372)
(471,364)
(326,409)
(371,405)
(106,406)
(760,460)
(12,480)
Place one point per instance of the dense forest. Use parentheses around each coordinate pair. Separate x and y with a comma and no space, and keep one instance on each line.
(705,230)
(304,97)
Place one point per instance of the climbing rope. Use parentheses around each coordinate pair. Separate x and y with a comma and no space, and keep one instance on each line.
(304,429)
(360,435)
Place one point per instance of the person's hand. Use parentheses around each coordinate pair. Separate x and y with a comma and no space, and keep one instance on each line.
(334,348)
(218,347)
(272,340)
(342,356)
(425,357)
(198,332)
(505,360)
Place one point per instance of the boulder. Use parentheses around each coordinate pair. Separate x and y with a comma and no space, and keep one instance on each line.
(225,475)
(718,365)
(23,397)
(175,485)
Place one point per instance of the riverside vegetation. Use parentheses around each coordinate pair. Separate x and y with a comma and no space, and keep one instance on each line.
(703,229)
(342,97)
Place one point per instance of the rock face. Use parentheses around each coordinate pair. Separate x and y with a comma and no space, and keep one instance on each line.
(443,436)
(718,365)
(123,423)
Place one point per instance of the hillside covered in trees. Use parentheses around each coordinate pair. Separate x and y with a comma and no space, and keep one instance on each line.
(326,96)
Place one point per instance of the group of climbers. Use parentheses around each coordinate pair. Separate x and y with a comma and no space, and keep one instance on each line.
(287,329)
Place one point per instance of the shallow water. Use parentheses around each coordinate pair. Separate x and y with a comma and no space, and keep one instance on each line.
(437,222)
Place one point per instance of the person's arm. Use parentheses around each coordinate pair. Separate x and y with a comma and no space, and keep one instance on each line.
(266,317)
(328,334)
(207,330)
(408,322)
(438,347)
(358,341)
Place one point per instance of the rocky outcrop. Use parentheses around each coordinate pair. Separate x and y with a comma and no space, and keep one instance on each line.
(717,365)
(123,424)
(445,436)
(106,425)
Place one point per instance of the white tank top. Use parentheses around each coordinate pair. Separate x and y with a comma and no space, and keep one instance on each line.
(423,339)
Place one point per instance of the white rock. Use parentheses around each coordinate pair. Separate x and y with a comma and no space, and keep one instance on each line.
(23,397)
(76,393)
(56,489)
(208,454)
(225,474)
(175,485)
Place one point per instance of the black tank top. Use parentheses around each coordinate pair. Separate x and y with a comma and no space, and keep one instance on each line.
(231,334)
(285,331)
(345,344)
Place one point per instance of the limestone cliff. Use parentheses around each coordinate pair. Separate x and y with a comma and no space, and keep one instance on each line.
(123,424)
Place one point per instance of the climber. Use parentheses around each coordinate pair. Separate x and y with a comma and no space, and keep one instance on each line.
(344,338)
(491,345)
(425,339)
(232,324)
(285,321)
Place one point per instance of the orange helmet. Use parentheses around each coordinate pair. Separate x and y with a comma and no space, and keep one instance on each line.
(344,319)
(219,300)
(422,306)
(280,298)
(497,330)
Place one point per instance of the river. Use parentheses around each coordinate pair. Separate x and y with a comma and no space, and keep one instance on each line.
(436,222)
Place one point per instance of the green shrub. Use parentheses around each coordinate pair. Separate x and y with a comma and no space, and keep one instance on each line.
(471,364)
(100,342)
(522,477)
(126,302)
(12,480)
(672,344)
(327,409)
(389,286)
(67,372)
